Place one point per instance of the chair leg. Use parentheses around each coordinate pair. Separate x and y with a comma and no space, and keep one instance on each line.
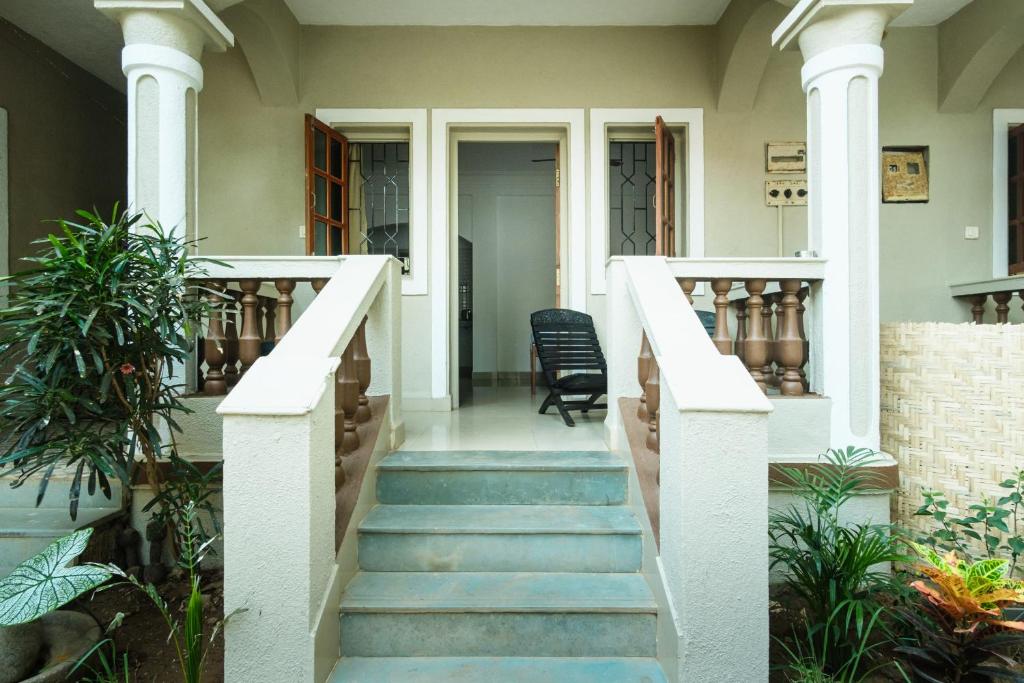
(546,404)
(590,402)
(563,411)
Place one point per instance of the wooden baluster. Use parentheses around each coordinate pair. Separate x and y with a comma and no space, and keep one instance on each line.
(789,345)
(780,370)
(269,326)
(769,337)
(643,371)
(688,285)
(346,401)
(653,407)
(755,348)
(260,313)
(1002,300)
(361,357)
(318,283)
(721,339)
(213,345)
(231,335)
(284,307)
(800,310)
(741,329)
(249,338)
(978,307)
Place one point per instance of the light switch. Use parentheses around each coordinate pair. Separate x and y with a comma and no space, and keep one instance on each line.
(302,232)
(971,232)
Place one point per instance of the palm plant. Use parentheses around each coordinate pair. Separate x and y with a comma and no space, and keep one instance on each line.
(836,568)
(97,333)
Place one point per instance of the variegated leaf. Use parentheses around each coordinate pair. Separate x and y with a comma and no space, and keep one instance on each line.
(45,582)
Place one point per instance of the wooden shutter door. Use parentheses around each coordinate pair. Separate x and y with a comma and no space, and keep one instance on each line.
(326,190)
(1015,201)
(664,190)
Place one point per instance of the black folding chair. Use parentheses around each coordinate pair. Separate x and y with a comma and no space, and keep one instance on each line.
(566,342)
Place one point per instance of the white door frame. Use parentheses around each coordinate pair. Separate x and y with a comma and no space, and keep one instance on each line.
(443,231)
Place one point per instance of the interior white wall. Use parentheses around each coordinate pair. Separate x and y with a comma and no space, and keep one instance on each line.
(510,202)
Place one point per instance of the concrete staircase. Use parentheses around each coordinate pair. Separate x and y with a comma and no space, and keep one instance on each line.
(499,566)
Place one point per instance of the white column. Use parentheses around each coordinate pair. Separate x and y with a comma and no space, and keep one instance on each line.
(840,41)
(164,42)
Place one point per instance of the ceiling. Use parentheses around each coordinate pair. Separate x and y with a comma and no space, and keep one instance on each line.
(930,12)
(74,29)
(80,33)
(508,12)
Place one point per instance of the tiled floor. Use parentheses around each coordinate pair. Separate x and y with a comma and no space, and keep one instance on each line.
(503,418)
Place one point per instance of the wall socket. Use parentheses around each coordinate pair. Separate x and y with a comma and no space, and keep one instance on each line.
(302,232)
(971,232)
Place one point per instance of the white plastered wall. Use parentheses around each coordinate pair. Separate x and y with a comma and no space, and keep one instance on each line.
(4,207)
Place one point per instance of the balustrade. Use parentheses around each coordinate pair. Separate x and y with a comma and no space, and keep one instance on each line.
(1000,291)
(245,323)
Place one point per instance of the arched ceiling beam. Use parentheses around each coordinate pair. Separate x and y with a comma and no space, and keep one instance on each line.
(744,47)
(975,45)
(270,38)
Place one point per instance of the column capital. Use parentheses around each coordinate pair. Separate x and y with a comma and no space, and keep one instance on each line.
(189,26)
(817,26)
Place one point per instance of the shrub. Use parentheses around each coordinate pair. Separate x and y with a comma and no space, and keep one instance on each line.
(97,331)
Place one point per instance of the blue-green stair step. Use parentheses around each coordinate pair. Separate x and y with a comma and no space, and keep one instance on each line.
(495,614)
(500,538)
(497,670)
(502,478)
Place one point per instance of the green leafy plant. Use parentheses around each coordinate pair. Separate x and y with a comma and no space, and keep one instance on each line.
(45,582)
(188,485)
(810,660)
(832,566)
(994,525)
(190,645)
(103,663)
(959,631)
(97,331)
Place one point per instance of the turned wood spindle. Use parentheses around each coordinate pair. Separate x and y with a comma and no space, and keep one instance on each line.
(269,326)
(800,310)
(231,336)
(318,283)
(789,345)
(688,285)
(249,337)
(978,307)
(721,338)
(284,288)
(643,371)
(213,344)
(741,329)
(361,358)
(1002,300)
(346,402)
(755,348)
(769,340)
(653,407)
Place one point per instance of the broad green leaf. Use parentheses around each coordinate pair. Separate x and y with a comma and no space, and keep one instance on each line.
(44,583)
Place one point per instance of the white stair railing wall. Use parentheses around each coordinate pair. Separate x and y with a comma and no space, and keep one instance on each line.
(713,465)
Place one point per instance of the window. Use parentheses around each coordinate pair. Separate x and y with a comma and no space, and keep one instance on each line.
(378,205)
(631,189)
(1015,201)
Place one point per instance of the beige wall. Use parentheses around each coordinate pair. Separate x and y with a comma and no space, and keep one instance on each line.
(66,139)
(251,156)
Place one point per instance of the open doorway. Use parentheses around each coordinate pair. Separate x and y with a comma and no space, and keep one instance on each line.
(507,258)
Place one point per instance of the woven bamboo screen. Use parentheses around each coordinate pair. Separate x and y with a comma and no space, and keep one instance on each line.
(952,410)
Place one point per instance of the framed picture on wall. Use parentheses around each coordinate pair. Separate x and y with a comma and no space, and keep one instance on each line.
(904,174)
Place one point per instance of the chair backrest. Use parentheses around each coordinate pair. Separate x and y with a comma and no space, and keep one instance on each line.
(566,341)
